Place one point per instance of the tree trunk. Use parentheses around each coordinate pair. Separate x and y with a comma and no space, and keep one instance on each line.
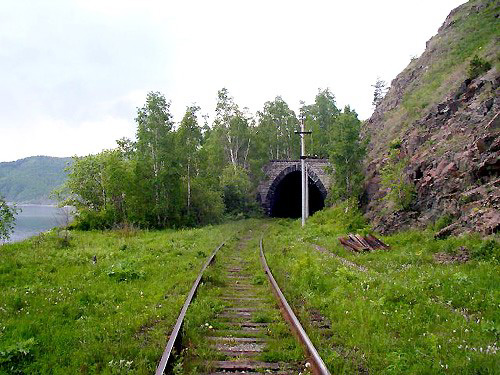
(246,153)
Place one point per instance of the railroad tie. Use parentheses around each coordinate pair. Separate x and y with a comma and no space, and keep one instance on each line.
(242,339)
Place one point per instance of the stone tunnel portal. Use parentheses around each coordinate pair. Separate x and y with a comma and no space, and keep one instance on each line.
(279,192)
(287,198)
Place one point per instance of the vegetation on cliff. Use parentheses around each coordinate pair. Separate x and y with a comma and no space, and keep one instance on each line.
(442,110)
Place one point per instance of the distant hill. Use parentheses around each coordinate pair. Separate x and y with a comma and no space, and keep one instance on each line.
(30,180)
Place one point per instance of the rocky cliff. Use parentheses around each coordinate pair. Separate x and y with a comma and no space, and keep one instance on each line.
(443,116)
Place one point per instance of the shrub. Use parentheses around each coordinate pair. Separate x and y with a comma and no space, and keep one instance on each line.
(236,186)
(14,357)
(400,192)
(125,271)
(344,217)
(487,250)
(395,144)
(477,66)
(7,219)
(207,205)
(87,219)
(443,222)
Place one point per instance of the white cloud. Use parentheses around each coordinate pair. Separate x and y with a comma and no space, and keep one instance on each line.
(77,70)
(58,138)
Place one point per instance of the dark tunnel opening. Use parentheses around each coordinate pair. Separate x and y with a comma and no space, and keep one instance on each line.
(287,199)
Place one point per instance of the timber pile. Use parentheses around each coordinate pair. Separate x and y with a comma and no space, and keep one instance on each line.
(358,243)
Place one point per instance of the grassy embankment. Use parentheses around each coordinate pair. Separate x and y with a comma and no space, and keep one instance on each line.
(406,314)
(60,313)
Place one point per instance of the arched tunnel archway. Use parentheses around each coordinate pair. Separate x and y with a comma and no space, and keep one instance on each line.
(286,197)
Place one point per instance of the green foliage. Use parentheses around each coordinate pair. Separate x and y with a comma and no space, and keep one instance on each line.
(259,280)
(90,219)
(192,175)
(207,204)
(97,186)
(400,192)
(340,219)
(477,66)
(488,250)
(154,181)
(63,238)
(125,271)
(379,91)
(320,118)
(347,151)
(156,173)
(236,186)
(443,222)
(275,136)
(14,357)
(7,219)
(232,127)
(395,144)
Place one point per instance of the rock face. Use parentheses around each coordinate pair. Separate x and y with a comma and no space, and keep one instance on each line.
(448,129)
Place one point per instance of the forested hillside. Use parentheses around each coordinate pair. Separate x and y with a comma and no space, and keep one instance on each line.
(31,180)
(434,153)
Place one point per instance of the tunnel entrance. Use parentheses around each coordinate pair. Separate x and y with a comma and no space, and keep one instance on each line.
(287,197)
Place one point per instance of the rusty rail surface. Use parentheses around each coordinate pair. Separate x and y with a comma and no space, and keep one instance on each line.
(164,361)
(317,364)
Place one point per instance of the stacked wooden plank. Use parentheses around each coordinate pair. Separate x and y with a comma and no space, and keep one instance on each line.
(358,243)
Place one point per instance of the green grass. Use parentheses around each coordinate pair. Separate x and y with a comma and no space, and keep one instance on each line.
(406,314)
(62,314)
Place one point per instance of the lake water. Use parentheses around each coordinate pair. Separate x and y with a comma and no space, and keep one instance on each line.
(34,219)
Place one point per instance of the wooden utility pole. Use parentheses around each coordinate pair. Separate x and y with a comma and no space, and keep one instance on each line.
(303,168)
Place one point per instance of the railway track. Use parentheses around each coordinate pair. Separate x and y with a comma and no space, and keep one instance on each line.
(250,330)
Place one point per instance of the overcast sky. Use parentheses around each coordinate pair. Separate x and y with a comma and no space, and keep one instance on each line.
(73,72)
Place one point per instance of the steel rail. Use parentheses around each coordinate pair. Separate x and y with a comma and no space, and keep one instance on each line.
(317,364)
(162,365)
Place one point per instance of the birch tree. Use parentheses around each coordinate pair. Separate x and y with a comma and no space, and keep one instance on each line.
(189,142)
(276,126)
(347,151)
(157,167)
(232,125)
